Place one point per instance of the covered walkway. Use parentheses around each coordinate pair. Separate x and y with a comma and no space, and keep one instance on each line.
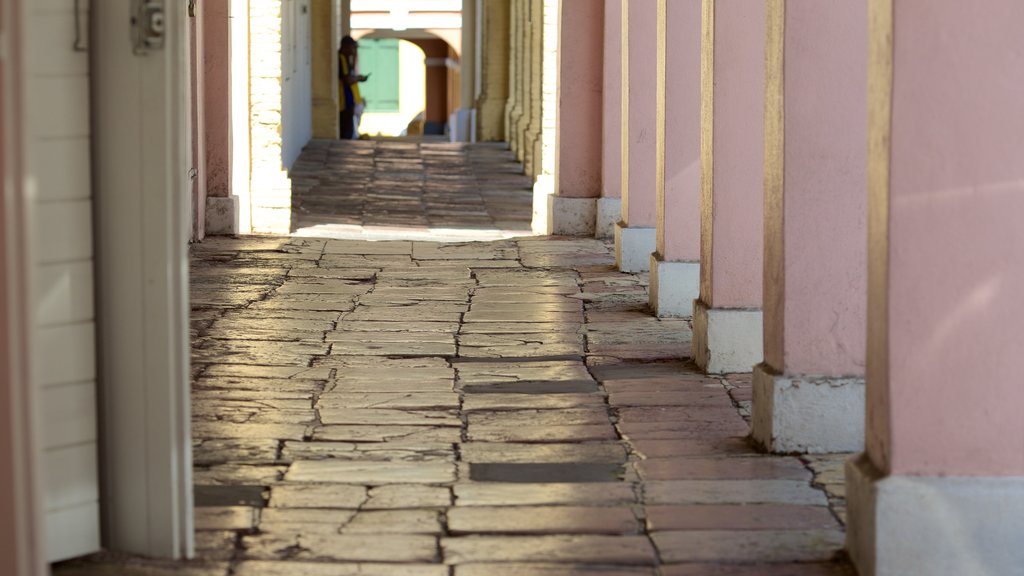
(493,408)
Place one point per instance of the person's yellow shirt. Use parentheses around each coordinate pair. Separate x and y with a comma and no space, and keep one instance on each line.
(356,97)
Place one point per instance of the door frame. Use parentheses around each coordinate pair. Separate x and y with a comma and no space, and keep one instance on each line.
(142,193)
(21,547)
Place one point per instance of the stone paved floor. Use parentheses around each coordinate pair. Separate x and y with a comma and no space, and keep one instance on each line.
(394,189)
(484,409)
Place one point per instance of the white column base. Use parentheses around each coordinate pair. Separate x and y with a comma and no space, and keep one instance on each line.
(633,248)
(912,525)
(543,188)
(462,125)
(674,287)
(221,216)
(571,216)
(807,414)
(609,213)
(727,340)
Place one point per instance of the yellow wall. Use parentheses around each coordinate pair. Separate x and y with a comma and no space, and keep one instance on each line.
(412,96)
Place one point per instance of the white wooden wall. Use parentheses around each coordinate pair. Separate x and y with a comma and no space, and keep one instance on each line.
(64,342)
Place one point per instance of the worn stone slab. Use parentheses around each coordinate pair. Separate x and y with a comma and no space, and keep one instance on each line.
(739,517)
(343,547)
(536,569)
(543,520)
(292,568)
(502,494)
(487,372)
(390,400)
(628,550)
(273,372)
(382,417)
(226,518)
(370,473)
(541,453)
(558,434)
(395,522)
(398,496)
(789,569)
(485,402)
(372,451)
(238,474)
(305,495)
(371,433)
(733,492)
(765,467)
(749,545)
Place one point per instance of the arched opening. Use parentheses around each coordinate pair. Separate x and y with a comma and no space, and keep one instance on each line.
(405,66)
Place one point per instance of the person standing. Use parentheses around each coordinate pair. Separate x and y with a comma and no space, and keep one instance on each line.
(348,87)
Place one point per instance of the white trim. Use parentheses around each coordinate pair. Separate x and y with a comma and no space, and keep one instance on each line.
(673,287)
(240,145)
(633,247)
(609,212)
(143,222)
(438,61)
(727,340)
(912,525)
(17,426)
(571,216)
(807,414)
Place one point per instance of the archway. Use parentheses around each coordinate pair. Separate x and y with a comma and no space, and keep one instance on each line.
(439,66)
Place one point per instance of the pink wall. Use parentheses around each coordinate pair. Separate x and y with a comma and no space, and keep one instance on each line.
(816,319)
(611,149)
(679,218)
(950,401)
(581,81)
(217,95)
(638,199)
(732,209)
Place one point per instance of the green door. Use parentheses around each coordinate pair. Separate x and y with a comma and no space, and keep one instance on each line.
(379,60)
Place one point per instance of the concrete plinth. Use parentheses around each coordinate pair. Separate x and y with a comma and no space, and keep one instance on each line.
(633,248)
(222,215)
(674,287)
(609,213)
(726,339)
(571,216)
(911,525)
(543,189)
(807,414)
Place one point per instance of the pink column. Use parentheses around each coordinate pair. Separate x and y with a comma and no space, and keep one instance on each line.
(221,207)
(634,234)
(609,206)
(572,209)
(727,317)
(809,391)
(675,266)
(940,489)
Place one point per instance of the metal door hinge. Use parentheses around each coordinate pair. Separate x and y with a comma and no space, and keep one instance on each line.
(191,8)
(149,25)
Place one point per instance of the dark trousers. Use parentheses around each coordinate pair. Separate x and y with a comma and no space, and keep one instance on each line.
(347,121)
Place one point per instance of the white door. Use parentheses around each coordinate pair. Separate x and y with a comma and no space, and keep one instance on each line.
(141,164)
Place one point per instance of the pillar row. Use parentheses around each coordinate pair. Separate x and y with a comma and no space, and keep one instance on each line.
(675,265)
(809,391)
(494,81)
(940,487)
(727,320)
(609,206)
(635,233)
(572,208)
